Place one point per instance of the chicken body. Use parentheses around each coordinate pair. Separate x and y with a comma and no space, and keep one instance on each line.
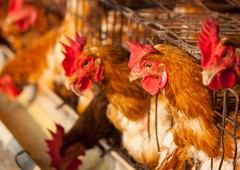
(91,125)
(28,65)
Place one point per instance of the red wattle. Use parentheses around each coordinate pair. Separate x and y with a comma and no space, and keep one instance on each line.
(151,85)
(99,73)
(227,79)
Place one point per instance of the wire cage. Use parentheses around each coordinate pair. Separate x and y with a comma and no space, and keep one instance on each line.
(169,22)
(153,22)
(234,2)
(225,6)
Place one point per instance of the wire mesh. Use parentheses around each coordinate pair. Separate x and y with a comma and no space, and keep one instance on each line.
(113,23)
(223,6)
(234,2)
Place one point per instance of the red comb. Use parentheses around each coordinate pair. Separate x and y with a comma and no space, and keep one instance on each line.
(15,5)
(71,52)
(208,43)
(137,52)
(7,86)
(69,161)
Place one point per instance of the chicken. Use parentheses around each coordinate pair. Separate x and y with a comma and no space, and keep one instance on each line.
(28,65)
(25,22)
(91,125)
(169,71)
(21,14)
(107,67)
(220,58)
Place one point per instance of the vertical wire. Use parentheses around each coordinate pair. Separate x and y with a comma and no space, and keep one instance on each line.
(211,163)
(185,165)
(129,28)
(144,36)
(214,100)
(107,28)
(76,16)
(156,123)
(148,122)
(121,27)
(101,21)
(223,125)
(136,32)
(114,26)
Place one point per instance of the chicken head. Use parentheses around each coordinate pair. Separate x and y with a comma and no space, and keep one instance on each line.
(153,73)
(81,68)
(20,14)
(7,86)
(218,60)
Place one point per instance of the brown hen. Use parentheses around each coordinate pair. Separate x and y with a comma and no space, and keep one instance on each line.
(29,64)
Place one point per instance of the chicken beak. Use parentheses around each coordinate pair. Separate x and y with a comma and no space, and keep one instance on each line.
(133,76)
(70,80)
(207,76)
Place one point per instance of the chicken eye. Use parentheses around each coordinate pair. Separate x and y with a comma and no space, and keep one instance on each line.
(148,65)
(85,63)
(225,53)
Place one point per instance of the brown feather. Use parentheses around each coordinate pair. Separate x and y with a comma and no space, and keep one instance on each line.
(29,64)
(91,125)
(128,97)
(175,159)
(187,94)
